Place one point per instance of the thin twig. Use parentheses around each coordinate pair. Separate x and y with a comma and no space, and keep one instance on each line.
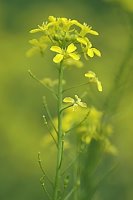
(43,171)
(111,170)
(70,165)
(65,108)
(62,153)
(77,125)
(45,189)
(76,86)
(46,123)
(49,114)
(71,192)
(39,81)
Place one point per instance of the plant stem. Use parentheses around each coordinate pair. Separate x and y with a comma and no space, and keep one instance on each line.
(60,136)
(76,86)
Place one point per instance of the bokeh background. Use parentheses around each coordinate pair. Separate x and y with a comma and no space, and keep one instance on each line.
(21,123)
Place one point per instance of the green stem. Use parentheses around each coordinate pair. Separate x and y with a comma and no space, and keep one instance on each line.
(77,125)
(66,108)
(60,136)
(44,85)
(76,86)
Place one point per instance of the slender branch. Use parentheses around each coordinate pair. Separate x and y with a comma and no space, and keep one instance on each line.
(76,86)
(65,108)
(71,192)
(40,82)
(43,171)
(77,125)
(46,123)
(110,171)
(70,165)
(51,39)
(62,151)
(49,114)
(45,189)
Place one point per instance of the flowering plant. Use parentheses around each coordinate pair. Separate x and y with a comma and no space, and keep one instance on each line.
(69,40)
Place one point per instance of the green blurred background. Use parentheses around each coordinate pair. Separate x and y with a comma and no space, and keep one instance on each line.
(21,124)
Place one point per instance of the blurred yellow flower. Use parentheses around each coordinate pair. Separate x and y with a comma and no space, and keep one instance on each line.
(37,46)
(92,78)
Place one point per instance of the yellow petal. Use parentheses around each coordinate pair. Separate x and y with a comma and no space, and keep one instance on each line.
(82,40)
(75,106)
(56,49)
(90,74)
(35,30)
(75,22)
(90,53)
(82,104)
(71,48)
(34,42)
(93,32)
(52,18)
(99,86)
(74,56)
(64,20)
(77,98)
(68,100)
(97,52)
(58,58)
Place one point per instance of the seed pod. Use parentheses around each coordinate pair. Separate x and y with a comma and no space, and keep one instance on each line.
(66,181)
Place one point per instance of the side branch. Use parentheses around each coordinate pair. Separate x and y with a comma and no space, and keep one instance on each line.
(49,114)
(77,125)
(41,167)
(70,164)
(46,123)
(44,188)
(76,86)
(40,82)
(65,108)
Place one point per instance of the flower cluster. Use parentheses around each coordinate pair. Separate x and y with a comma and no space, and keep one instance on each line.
(68,38)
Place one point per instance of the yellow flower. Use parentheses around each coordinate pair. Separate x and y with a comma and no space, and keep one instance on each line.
(62,54)
(75,102)
(92,51)
(45,26)
(37,46)
(89,50)
(87,29)
(92,78)
(41,28)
